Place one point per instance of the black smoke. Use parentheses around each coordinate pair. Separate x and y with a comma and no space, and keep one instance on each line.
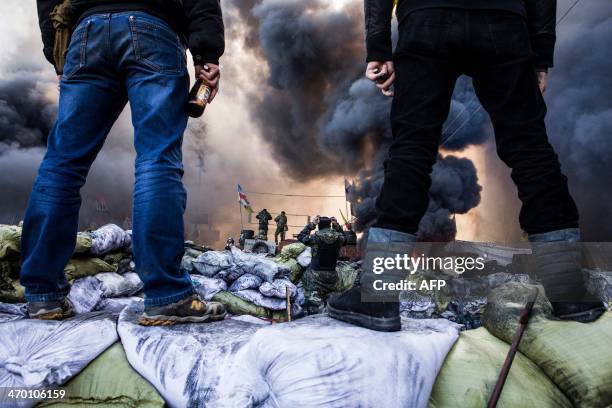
(321,118)
(26,114)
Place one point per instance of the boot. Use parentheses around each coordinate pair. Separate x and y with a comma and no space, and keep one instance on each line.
(362,305)
(558,258)
(52,310)
(188,310)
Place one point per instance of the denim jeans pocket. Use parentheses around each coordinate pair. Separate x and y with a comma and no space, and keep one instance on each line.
(157,45)
(76,58)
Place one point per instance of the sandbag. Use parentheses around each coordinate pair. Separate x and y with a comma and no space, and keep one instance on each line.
(295,269)
(83,243)
(278,289)
(576,356)
(255,297)
(10,240)
(311,362)
(13,292)
(305,258)
(212,262)
(246,281)
(321,362)
(208,287)
(109,381)
(80,267)
(37,353)
(347,273)
(109,238)
(472,367)
(10,312)
(293,250)
(115,285)
(116,305)
(85,294)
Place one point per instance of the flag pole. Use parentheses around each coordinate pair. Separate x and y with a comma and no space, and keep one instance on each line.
(241,225)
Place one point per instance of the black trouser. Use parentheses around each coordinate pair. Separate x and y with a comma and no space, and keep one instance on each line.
(435,47)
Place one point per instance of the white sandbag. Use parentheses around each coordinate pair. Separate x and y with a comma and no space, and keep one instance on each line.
(278,288)
(12,311)
(255,296)
(115,285)
(232,273)
(212,262)
(37,353)
(109,238)
(321,362)
(85,294)
(259,265)
(246,281)
(305,258)
(116,305)
(187,264)
(311,362)
(183,362)
(208,287)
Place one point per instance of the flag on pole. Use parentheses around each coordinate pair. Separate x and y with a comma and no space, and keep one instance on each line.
(242,199)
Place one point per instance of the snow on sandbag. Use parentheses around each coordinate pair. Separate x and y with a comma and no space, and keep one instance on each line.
(305,258)
(12,311)
(278,288)
(208,287)
(183,362)
(85,294)
(576,356)
(259,265)
(246,281)
(37,353)
(258,299)
(212,262)
(321,362)
(116,305)
(109,238)
(315,361)
(115,285)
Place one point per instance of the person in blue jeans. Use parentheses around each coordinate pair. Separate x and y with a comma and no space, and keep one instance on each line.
(118,53)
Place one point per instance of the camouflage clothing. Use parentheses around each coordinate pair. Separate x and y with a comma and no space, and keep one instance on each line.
(264,218)
(281,227)
(321,278)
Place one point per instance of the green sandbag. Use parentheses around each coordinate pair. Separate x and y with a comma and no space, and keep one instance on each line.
(471,369)
(79,267)
(10,240)
(295,268)
(292,251)
(346,276)
(109,381)
(576,356)
(239,306)
(12,293)
(83,243)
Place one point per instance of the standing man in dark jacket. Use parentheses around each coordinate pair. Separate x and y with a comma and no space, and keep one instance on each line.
(122,51)
(507,47)
(321,278)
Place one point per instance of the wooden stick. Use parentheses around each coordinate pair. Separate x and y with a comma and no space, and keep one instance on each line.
(503,375)
(288,293)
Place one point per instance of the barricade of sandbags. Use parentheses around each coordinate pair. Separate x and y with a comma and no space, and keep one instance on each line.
(577,357)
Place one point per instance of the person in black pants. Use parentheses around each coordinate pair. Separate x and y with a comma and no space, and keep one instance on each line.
(506,46)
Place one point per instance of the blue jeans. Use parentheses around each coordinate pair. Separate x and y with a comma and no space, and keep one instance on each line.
(112,59)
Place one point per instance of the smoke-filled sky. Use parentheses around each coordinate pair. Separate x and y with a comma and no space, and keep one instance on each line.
(295,116)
